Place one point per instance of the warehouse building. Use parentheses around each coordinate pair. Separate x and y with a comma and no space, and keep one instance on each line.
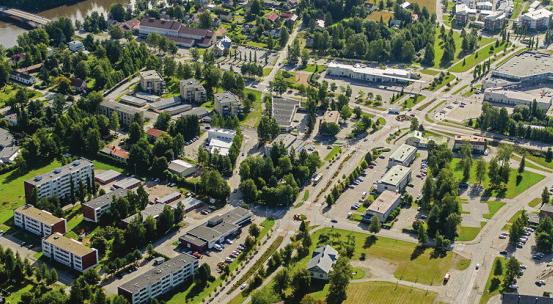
(39,222)
(395,180)
(159,280)
(182,168)
(515,98)
(69,252)
(404,155)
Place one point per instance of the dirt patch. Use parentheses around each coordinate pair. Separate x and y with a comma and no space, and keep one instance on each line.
(159,191)
(302,78)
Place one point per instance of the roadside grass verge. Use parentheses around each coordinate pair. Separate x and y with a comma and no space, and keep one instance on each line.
(495,278)
(465,234)
(493,207)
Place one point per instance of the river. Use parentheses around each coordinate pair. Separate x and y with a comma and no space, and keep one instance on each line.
(77,11)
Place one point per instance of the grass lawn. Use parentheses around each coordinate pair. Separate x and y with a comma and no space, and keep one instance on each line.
(468,233)
(512,189)
(386,293)
(413,264)
(508,225)
(430,72)
(312,68)
(252,119)
(535,202)
(15,297)
(460,89)
(208,105)
(493,207)
(518,6)
(411,101)
(532,165)
(256,44)
(539,160)
(11,187)
(494,289)
(445,80)
(335,151)
(98,165)
(377,15)
(477,57)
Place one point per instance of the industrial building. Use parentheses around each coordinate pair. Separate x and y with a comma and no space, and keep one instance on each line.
(220,140)
(283,110)
(395,180)
(216,230)
(39,222)
(404,155)
(182,168)
(515,98)
(57,184)
(69,252)
(159,280)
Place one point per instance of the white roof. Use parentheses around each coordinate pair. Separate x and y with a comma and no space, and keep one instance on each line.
(405,4)
(403,153)
(361,69)
(395,175)
(538,14)
(384,202)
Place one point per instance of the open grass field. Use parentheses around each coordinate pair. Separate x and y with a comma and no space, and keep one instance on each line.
(412,101)
(413,264)
(466,234)
(252,119)
(445,80)
(430,72)
(377,15)
(540,161)
(312,68)
(511,190)
(387,293)
(476,58)
(493,207)
(439,50)
(493,289)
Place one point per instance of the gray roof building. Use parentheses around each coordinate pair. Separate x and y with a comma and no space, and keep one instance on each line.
(6,138)
(321,263)
(283,110)
(227,103)
(106,199)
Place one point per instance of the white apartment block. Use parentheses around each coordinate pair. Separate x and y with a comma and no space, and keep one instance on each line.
(58,182)
(159,280)
(69,252)
(38,221)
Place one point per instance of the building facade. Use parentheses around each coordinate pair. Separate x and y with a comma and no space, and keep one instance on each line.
(57,184)
(404,155)
(159,280)
(477,143)
(192,91)
(93,209)
(395,180)
(126,113)
(38,221)
(384,204)
(69,252)
(151,82)
(227,104)
(370,74)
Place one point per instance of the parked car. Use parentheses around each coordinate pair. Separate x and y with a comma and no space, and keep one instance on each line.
(229,241)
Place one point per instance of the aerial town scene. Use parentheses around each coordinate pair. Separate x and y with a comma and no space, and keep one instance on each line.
(276,151)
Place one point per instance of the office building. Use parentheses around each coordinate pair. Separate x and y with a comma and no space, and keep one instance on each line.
(227,103)
(159,280)
(404,155)
(69,252)
(57,184)
(384,204)
(395,180)
(95,208)
(192,91)
(38,221)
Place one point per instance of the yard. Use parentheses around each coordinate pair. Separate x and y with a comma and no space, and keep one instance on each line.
(439,50)
(510,190)
(377,15)
(386,293)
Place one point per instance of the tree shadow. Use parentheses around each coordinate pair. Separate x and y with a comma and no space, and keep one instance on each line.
(369,241)
(417,252)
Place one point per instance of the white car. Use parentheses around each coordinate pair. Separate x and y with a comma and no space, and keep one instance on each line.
(243,286)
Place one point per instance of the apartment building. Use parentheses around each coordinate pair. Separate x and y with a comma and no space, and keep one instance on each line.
(38,221)
(159,280)
(57,184)
(477,143)
(535,19)
(182,35)
(69,252)
(126,113)
(227,104)
(93,209)
(192,91)
(151,82)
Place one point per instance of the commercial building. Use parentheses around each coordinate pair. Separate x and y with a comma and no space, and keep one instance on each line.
(192,91)
(384,204)
(404,155)
(93,209)
(69,252)
(322,260)
(526,68)
(151,82)
(126,113)
(227,103)
(515,98)
(182,35)
(284,110)
(477,143)
(107,176)
(38,221)
(365,73)
(57,184)
(216,230)
(220,140)
(159,280)
(535,19)
(182,168)
(395,180)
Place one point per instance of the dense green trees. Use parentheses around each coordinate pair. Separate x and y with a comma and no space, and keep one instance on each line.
(267,129)
(544,235)
(276,179)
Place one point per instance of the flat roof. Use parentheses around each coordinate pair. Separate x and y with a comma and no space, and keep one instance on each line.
(151,74)
(42,216)
(134,101)
(106,199)
(169,197)
(156,274)
(153,210)
(107,175)
(391,73)
(120,107)
(129,182)
(384,202)
(179,165)
(395,175)
(470,138)
(403,153)
(519,95)
(283,110)
(526,64)
(74,166)
(68,244)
